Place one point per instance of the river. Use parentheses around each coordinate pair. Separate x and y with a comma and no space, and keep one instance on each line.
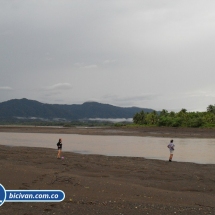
(186,149)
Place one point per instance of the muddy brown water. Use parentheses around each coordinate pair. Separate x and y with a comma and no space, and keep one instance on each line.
(186,149)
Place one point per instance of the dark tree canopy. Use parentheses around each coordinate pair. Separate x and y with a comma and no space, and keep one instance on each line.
(181,119)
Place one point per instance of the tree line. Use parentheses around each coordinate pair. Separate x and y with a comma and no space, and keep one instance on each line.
(183,118)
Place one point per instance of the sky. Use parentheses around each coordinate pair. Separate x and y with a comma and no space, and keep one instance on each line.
(150,54)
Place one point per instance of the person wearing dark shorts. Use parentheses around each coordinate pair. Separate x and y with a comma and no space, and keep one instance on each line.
(59,147)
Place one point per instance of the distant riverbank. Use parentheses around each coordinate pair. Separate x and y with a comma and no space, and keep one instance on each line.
(125,131)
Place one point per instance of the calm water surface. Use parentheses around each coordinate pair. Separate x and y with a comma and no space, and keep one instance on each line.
(189,150)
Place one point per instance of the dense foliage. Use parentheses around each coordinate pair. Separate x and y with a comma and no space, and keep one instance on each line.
(180,119)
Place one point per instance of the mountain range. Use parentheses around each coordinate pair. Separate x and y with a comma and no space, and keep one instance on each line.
(31,109)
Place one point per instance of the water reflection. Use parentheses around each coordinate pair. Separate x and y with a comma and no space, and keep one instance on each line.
(188,150)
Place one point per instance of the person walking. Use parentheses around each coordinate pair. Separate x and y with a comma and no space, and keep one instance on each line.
(171,147)
(59,146)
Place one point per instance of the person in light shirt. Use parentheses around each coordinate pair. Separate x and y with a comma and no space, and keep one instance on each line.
(171,147)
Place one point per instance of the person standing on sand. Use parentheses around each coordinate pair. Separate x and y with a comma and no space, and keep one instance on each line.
(171,149)
(59,146)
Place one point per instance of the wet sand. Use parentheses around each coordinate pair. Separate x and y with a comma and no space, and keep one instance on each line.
(96,184)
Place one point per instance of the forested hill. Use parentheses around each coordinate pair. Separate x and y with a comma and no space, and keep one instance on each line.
(24,108)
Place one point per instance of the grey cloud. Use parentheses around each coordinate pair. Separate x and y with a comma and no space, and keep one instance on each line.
(5,33)
(59,86)
(130,100)
(6,88)
(109,61)
(133,98)
(52,93)
(92,66)
(200,93)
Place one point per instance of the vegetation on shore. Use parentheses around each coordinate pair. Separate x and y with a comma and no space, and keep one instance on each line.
(181,119)
(162,118)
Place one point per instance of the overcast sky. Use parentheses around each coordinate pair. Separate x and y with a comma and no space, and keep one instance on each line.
(156,54)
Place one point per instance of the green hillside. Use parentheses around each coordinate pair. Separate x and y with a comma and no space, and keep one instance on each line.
(29,109)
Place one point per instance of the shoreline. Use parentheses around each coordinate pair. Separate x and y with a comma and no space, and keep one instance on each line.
(124,131)
(104,132)
(116,156)
(98,184)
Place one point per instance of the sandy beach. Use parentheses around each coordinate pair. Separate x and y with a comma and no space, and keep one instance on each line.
(96,184)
